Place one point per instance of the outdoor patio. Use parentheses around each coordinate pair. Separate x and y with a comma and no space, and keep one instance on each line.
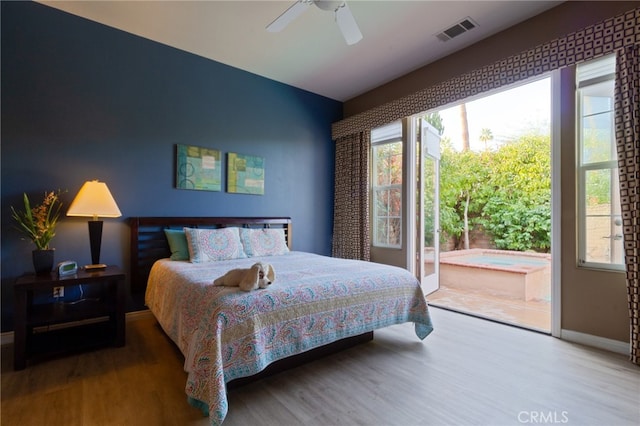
(505,286)
(534,314)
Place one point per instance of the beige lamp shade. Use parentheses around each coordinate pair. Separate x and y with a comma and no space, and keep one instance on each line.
(94,200)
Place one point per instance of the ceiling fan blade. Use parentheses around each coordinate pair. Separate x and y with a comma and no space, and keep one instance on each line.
(288,16)
(347,24)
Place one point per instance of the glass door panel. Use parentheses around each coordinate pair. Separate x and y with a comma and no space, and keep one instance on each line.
(429,208)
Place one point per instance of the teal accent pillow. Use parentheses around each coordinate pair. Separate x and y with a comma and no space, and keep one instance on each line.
(177,244)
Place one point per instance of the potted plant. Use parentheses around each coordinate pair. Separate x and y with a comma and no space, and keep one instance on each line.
(38,223)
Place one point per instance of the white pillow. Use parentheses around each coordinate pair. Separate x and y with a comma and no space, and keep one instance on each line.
(211,245)
(263,242)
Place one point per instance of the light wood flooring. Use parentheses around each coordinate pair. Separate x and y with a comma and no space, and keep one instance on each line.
(467,372)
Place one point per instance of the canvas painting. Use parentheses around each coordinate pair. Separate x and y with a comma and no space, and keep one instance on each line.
(198,168)
(245,174)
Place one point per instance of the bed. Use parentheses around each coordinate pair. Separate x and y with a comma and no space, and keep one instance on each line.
(315,304)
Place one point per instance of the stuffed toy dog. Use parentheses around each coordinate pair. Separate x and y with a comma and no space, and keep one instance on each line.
(260,275)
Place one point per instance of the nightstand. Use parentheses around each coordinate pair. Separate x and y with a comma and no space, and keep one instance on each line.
(58,327)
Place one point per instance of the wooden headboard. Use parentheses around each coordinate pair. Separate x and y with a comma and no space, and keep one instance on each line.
(148,242)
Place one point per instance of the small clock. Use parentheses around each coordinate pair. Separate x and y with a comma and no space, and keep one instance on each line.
(68,267)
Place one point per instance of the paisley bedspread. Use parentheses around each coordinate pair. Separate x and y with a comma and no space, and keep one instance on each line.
(225,333)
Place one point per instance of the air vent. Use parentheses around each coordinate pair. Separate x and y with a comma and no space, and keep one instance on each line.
(457,29)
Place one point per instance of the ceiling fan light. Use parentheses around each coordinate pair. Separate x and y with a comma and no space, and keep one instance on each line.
(328,4)
(343,16)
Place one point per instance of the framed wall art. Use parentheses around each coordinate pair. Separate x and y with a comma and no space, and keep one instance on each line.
(245,174)
(198,168)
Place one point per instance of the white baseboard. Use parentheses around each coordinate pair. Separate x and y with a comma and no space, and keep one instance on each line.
(595,341)
(7,338)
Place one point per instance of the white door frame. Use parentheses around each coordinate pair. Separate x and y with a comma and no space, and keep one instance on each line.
(556,211)
(415,218)
(410,194)
(429,149)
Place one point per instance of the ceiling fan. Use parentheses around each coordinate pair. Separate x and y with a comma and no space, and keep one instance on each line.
(345,20)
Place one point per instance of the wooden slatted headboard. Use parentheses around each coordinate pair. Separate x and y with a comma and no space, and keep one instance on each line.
(148,242)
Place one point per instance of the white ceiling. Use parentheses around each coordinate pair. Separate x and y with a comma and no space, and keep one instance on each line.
(310,53)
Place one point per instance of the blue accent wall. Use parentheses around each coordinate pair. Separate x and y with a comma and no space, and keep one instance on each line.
(83,101)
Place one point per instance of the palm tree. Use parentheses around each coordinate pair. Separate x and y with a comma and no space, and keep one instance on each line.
(435,120)
(486,136)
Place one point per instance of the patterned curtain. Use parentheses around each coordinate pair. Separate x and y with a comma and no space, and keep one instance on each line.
(351,199)
(627,122)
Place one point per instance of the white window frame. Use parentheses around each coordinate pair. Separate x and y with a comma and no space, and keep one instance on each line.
(384,135)
(600,71)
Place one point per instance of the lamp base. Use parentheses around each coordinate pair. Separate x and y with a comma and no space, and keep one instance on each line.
(95,239)
(95,267)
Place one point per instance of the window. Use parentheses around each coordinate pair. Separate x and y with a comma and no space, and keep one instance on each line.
(386,143)
(599,220)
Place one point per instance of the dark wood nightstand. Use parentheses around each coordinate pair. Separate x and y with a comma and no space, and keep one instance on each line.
(90,322)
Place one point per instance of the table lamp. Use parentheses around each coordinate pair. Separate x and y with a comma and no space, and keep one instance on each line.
(94,200)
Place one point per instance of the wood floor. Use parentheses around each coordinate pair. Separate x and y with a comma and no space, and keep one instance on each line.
(467,372)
